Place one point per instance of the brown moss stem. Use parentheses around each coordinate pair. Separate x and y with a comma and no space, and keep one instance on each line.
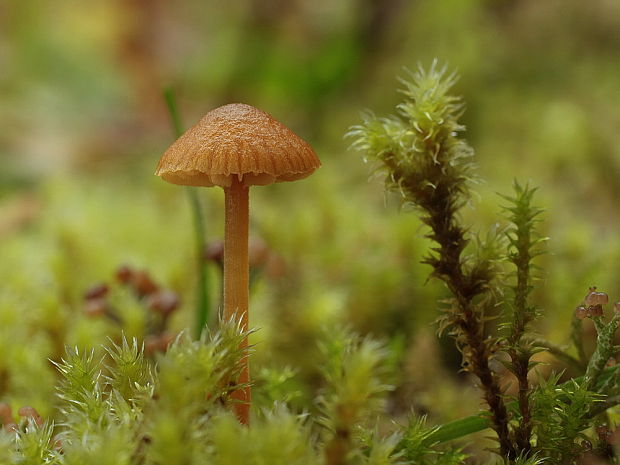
(448,267)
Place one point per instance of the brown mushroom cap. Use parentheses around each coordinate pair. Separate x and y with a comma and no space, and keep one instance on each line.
(237,140)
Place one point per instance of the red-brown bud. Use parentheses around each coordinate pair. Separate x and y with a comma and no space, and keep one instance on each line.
(143,284)
(596,310)
(163,301)
(596,298)
(124,274)
(581,312)
(158,342)
(96,291)
(30,412)
(215,252)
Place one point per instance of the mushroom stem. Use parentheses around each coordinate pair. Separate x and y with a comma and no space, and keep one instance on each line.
(236,280)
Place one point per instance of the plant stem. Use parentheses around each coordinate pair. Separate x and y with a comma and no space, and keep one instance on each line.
(448,267)
(337,449)
(523,431)
(236,280)
(202,284)
(519,352)
(470,324)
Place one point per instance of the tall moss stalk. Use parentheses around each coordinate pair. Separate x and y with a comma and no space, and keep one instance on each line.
(524,246)
(430,165)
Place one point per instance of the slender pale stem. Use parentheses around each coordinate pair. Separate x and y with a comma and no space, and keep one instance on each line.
(236,279)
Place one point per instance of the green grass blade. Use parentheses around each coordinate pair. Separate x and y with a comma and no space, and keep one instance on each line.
(202,288)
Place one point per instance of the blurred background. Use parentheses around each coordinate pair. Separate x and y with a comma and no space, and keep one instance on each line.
(83,124)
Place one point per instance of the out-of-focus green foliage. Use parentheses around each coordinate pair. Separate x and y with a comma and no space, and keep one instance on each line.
(84,123)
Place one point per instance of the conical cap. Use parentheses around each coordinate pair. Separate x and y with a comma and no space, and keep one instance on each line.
(237,140)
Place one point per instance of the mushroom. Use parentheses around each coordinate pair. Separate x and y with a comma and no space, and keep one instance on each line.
(237,146)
